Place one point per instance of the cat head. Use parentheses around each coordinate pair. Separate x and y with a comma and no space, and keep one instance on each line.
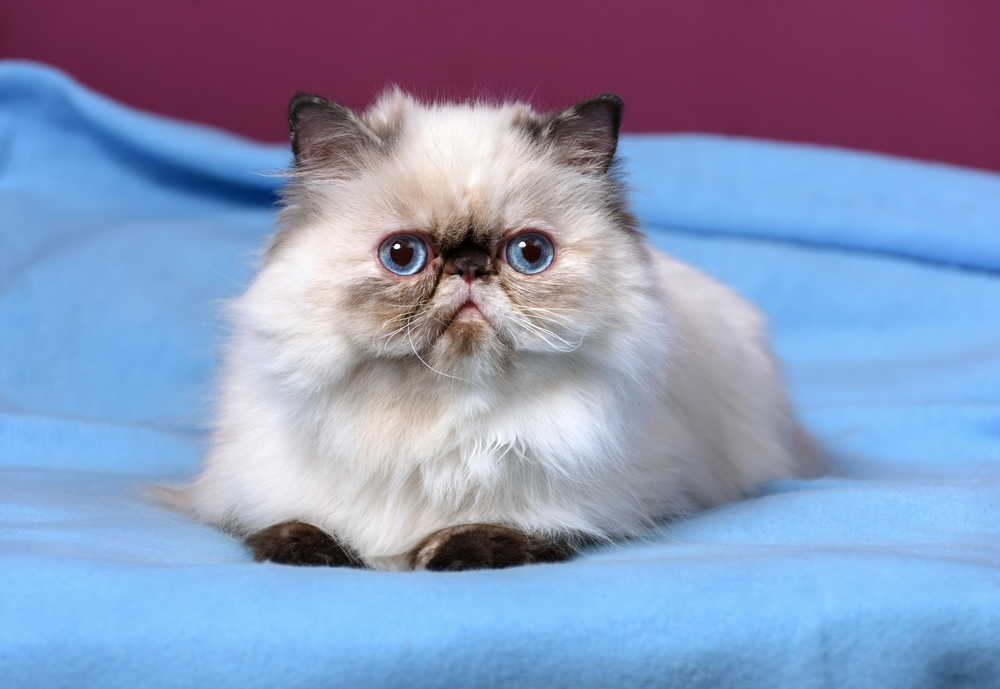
(459,238)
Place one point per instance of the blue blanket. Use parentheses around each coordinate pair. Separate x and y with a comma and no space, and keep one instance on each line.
(120,232)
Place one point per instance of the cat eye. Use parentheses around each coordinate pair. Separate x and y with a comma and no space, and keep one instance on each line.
(403,254)
(529,253)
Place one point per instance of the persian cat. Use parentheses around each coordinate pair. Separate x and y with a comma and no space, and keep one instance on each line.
(460,352)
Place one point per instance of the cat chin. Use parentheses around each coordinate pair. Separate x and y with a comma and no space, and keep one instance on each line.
(469,348)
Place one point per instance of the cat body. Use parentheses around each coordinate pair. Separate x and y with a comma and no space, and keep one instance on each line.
(458,324)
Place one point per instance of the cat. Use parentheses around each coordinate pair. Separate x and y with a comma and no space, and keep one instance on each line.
(460,352)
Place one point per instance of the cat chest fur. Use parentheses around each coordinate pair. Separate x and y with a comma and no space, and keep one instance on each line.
(384,464)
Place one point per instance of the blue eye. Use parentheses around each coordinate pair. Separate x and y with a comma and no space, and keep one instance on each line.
(529,253)
(403,254)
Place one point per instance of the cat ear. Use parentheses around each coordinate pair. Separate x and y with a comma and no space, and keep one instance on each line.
(328,134)
(586,135)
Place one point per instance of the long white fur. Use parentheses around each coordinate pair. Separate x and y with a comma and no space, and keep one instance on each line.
(642,390)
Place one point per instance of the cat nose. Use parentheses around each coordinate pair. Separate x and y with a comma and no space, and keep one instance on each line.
(469,262)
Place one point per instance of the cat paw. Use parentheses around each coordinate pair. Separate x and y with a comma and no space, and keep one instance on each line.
(483,546)
(297,543)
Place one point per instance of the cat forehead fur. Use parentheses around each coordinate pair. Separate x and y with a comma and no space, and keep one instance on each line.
(456,171)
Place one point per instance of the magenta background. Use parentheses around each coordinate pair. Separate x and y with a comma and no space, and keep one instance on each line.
(919,78)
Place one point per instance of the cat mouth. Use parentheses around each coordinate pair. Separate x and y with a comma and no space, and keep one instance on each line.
(468,311)
(468,314)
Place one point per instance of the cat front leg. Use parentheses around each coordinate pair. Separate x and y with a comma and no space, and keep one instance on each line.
(298,543)
(484,546)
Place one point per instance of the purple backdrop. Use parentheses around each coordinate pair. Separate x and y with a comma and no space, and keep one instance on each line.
(919,78)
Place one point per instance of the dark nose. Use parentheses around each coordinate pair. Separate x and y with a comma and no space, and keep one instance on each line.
(469,261)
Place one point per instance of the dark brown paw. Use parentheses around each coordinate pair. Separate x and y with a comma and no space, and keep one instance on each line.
(483,546)
(296,543)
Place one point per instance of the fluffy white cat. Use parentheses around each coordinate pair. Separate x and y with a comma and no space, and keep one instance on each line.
(459,352)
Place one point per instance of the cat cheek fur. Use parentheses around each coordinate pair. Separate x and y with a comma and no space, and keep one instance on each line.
(608,392)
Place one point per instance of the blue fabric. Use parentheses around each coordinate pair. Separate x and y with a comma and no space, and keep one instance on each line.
(119,234)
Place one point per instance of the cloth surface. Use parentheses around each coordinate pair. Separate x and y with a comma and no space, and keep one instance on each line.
(121,232)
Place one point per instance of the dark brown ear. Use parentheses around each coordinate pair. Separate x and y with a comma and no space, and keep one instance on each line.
(328,134)
(586,135)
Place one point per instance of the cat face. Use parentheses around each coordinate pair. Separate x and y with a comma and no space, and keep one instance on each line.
(458,238)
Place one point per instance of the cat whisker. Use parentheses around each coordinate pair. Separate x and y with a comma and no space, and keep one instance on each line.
(547,309)
(387,338)
(409,336)
(545,334)
(540,314)
(391,321)
(548,321)
(549,316)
